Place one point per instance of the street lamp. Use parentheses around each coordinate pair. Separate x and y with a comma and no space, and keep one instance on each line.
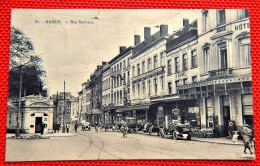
(22,61)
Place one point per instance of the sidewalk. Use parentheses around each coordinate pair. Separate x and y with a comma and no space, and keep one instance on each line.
(222,140)
(60,134)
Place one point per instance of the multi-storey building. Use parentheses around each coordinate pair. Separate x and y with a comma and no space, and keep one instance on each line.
(106,99)
(84,102)
(181,69)
(95,86)
(224,84)
(120,82)
(147,74)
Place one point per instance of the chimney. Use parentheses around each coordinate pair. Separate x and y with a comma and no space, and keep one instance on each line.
(163,30)
(104,63)
(121,49)
(185,22)
(137,39)
(147,33)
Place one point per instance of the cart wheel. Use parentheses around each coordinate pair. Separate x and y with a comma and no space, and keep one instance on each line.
(174,135)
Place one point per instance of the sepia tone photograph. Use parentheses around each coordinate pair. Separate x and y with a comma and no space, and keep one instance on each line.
(129,84)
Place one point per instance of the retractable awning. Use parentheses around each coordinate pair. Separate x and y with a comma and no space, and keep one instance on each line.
(136,107)
(95,112)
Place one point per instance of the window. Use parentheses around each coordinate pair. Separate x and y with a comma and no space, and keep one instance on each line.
(205,20)
(177,65)
(155,86)
(138,70)
(184,60)
(118,81)
(162,82)
(242,13)
(143,85)
(177,83)
(120,65)
(162,57)
(117,67)
(124,63)
(206,59)
(169,65)
(222,51)
(143,66)
(138,90)
(124,78)
(133,89)
(155,62)
(221,16)
(133,71)
(128,62)
(169,87)
(194,59)
(128,77)
(244,51)
(114,68)
(185,81)
(149,64)
(149,87)
(111,70)
(194,79)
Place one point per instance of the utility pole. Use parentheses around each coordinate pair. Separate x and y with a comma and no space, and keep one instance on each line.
(19,104)
(64,111)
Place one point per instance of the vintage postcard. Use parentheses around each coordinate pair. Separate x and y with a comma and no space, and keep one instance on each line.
(106,84)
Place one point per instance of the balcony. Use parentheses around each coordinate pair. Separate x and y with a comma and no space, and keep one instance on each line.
(221,73)
(115,73)
(221,28)
(158,70)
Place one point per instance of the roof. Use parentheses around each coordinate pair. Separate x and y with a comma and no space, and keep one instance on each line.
(122,54)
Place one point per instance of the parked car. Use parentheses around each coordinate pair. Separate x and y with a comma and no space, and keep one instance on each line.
(85,126)
(177,131)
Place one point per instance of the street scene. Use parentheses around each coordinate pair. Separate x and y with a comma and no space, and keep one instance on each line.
(89,145)
(149,84)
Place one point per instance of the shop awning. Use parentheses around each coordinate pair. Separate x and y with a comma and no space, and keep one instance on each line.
(135,107)
(95,112)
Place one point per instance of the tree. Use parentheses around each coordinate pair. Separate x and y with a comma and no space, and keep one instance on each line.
(24,61)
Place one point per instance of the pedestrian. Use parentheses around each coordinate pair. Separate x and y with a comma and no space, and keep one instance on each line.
(68,127)
(42,128)
(96,127)
(54,127)
(58,127)
(124,129)
(247,136)
(76,127)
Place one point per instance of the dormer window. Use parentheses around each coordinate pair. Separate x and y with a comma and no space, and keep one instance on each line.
(221,17)
(242,13)
(205,20)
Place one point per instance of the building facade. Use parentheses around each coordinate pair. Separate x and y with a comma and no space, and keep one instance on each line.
(120,83)
(199,74)
(35,110)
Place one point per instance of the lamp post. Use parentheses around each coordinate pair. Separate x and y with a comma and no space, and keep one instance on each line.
(22,62)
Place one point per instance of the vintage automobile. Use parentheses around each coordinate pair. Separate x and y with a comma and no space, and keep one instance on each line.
(85,126)
(132,124)
(177,131)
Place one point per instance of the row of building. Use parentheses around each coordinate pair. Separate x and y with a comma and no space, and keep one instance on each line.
(200,74)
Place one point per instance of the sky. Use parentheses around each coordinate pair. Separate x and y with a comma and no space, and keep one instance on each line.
(75,44)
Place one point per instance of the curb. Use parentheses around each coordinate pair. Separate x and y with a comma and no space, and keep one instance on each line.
(224,143)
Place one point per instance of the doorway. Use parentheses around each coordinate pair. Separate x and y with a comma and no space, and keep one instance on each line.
(38,122)
(226,113)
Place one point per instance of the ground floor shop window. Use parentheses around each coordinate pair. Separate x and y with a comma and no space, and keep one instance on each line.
(209,113)
(194,116)
(247,103)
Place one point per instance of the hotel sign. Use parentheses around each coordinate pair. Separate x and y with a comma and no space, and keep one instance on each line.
(241,26)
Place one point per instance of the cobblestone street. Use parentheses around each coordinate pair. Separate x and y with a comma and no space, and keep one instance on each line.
(89,145)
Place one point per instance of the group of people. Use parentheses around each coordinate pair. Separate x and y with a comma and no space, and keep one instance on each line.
(56,127)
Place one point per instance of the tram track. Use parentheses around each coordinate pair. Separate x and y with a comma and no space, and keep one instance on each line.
(101,148)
